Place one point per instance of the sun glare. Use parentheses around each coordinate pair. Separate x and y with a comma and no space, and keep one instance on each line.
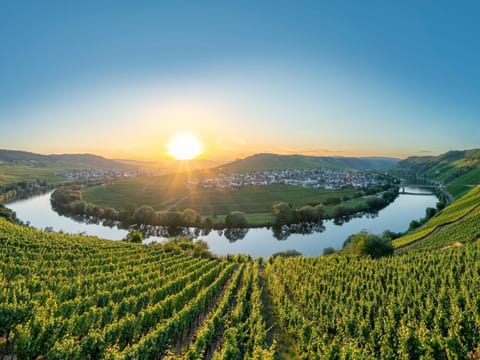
(184,147)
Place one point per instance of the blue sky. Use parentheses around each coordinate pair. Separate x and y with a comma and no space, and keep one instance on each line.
(120,78)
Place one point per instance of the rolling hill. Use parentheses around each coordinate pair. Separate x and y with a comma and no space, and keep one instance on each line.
(14,157)
(458,170)
(268,161)
(16,166)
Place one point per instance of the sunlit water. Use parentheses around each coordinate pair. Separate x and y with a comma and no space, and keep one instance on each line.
(37,211)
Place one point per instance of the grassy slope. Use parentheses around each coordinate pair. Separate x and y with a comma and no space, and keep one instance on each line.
(16,166)
(276,162)
(152,191)
(467,230)
(450,214)
(10,174)
(165,192)
(459,170)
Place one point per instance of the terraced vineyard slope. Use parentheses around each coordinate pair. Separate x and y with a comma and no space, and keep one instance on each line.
(419,305)
(64,296)
(461,208)
(457,170)
(77,297)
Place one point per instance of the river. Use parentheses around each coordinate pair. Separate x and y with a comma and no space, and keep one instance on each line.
(38,212)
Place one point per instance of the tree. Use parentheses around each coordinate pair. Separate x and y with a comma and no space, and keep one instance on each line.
(284,213)
(236,219)
(340,211)
(413,225)
(430,212)
(208,223)
(308,213)
(200,249)
(320,211)
(144,215)
(328,250)
(190,217)
(440,205)
(134,236)
(368,244)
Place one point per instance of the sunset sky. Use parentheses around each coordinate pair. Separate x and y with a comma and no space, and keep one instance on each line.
(121,78)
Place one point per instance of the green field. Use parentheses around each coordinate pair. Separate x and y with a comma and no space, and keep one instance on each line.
(450,214)
(167,192)
(464,183)
(158,192)
(78,297)
(10,174)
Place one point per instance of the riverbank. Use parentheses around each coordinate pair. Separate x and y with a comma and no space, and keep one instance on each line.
(307,239)
(336,205)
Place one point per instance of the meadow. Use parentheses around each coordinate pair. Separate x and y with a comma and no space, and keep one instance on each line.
(11,174)
(168,192)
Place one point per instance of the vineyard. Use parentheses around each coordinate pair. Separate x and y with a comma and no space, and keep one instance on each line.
(78,297)
(464,231)
(453,213)
(64,296)
(412,306)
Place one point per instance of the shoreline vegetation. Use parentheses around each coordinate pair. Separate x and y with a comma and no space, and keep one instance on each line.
(20,190)
(68,200)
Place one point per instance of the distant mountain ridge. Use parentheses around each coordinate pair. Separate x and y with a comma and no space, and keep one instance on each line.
(267,161)
(16,157)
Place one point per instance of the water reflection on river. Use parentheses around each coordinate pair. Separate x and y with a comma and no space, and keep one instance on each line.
(309,239)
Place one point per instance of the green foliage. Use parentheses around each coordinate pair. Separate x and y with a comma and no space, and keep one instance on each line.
(284,214)
(190,217)
(458,170)
(308,213)
(144,215)
(7,214)
(333,200)
(134,236)
(236,219)
(328,250)
(198,248)
(366,244)
(453,213)
(287,253)
(156,191)
(421,304)
(456,234)
(66,296)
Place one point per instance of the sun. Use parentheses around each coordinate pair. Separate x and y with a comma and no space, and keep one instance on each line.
(184,147)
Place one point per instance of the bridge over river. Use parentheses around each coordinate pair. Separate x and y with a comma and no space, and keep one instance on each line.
(428,189)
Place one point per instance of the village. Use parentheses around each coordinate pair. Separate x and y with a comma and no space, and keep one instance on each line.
(316,178)
(94,174)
